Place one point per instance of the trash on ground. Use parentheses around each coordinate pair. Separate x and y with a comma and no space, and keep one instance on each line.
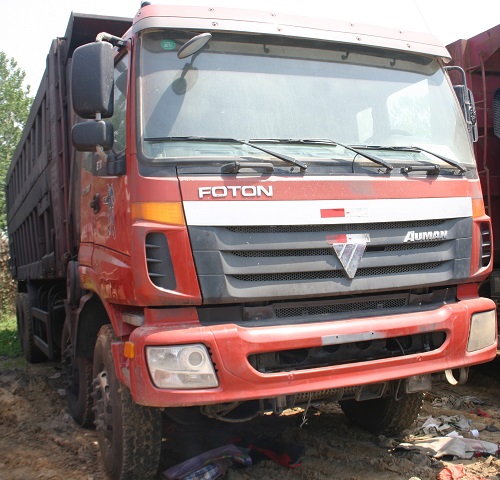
(208,465)
(215,463)
(453,436)
(457,403)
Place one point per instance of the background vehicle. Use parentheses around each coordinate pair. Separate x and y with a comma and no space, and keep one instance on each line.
(272,210)
(479,57)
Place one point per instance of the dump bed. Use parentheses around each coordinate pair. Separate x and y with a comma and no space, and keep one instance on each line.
(479,56)
(43,178)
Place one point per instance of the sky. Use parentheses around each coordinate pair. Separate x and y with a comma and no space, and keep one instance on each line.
(28,26)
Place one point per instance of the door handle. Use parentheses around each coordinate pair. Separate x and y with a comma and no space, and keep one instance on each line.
(95,204)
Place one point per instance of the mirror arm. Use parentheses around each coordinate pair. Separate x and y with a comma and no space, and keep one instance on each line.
(101,153)
(458,69)
(98,148)
(107,37)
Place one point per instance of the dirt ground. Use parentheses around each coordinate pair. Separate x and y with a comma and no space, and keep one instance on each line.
(39,440)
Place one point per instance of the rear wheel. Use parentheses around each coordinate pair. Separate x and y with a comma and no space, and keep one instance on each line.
(129,435)
(31,352)
(388,415)
(78,381)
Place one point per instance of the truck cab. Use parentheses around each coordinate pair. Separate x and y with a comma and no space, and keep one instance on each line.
(273,210)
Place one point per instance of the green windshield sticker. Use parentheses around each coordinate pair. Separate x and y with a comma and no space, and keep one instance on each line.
(167,44)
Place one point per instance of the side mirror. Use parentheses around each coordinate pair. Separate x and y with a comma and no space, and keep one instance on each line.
(466,101)
(194,45)
(92,75)
(87,136)
(496,113)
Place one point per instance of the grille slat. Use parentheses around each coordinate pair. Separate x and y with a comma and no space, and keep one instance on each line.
(364,272)
(311,252)
(326,228)
(333,308)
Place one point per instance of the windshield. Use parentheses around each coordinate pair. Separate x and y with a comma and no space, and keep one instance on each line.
(280,92)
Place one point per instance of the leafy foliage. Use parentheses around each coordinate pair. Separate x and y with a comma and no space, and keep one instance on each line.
(15,103)
(7,284)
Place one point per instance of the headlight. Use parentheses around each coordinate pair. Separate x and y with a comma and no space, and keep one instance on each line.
(482,330)
(181,367)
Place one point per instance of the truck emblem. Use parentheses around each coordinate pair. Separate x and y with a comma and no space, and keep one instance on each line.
(234,191)
(413,236)
(349,249)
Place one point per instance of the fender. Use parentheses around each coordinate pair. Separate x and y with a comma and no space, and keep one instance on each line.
(87,321)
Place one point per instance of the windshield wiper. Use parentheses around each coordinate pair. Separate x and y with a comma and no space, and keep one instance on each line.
(281,156)
(311,141)
(416,148)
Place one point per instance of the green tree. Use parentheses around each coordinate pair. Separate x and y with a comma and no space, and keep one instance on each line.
(15,103)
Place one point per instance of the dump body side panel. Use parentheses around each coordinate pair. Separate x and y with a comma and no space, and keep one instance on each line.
(42,208)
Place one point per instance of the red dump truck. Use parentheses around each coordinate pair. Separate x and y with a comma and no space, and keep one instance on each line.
(479,58)
(236,212)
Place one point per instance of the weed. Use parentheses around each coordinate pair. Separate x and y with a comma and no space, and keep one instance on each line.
(9,341)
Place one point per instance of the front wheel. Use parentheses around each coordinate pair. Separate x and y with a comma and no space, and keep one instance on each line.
(129,435)
(388,415)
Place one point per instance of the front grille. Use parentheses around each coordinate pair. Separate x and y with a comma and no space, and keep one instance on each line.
(244,264)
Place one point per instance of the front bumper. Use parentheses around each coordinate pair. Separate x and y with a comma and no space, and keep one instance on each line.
(231,345)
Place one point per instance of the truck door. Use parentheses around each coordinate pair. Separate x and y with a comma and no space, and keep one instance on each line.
(104,186)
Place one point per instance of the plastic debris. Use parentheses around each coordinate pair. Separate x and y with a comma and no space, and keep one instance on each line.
(444,424)
(479,412)
(457,403)
(458,447)
(286,454)
(208,465)
(455,472)
(452,472)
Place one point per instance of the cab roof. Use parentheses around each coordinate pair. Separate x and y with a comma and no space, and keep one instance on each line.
(222,19)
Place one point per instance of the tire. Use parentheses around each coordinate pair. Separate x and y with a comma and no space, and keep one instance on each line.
(129,435)
(73,286)
(388,415)
(77,373)
(31,352)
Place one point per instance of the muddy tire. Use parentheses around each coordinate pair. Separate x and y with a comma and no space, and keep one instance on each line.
(129,435)
(77,372)
(31,352)
(388,415)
